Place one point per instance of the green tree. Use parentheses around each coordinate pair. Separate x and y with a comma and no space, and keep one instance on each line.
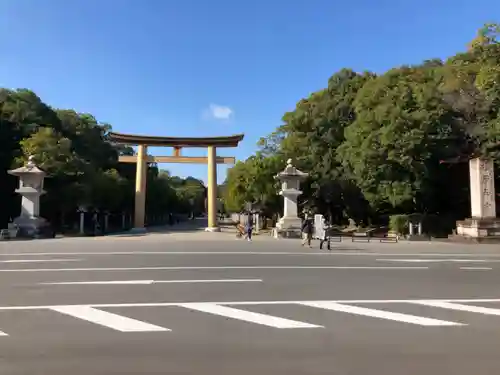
(51,151)
(81,163)
(54,154)
(401,126)
(252,181)
(374,145)
(311,134)
(487,35)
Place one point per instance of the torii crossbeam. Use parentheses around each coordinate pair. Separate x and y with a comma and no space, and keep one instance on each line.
(142,159)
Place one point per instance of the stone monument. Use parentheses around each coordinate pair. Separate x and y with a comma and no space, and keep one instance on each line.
(29,222)
(483,225)
(290,224)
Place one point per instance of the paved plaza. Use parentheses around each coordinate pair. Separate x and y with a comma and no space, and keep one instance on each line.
(207,303)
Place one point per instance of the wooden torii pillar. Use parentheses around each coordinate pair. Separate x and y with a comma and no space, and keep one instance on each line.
(142,159)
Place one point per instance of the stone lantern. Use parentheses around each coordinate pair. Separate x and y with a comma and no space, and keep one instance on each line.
(29,222)
(290,224)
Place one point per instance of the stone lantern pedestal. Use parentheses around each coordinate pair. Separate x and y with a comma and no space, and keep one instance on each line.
(290,224)
(29,222)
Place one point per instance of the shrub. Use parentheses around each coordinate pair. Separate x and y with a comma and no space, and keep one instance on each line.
(398,223)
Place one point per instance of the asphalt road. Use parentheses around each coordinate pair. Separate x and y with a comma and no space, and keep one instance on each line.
(206,303)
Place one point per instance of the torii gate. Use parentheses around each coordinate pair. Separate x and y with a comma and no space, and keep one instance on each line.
(142,159)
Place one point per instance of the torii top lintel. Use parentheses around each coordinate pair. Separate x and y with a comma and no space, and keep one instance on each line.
(133,139)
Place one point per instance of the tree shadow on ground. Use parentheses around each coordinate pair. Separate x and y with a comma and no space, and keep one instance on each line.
(196,225)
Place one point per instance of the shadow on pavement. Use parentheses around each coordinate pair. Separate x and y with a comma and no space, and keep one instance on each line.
(196,225)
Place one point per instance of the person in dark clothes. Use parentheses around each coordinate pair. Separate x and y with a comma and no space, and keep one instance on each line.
(249,227)
(307,231)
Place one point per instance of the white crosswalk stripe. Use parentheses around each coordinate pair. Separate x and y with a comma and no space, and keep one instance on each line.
(460,307)
(248,316)
(381,314)
(107,319)
(238,311)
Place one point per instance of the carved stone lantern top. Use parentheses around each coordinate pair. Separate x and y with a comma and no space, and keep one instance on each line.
(290,178)
(30,168)
(291,173)
(31,178)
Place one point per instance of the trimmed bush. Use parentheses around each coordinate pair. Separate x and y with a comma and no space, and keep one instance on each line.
(398,223)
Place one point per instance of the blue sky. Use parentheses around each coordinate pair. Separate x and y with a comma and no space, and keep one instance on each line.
(215,67)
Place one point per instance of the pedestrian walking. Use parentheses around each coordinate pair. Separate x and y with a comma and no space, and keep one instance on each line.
(307,231)
(323,237)
(249,227)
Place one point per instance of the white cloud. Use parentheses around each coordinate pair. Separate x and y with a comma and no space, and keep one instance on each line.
(218,112)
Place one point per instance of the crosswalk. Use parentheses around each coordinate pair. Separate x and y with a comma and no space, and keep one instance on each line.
(241,312)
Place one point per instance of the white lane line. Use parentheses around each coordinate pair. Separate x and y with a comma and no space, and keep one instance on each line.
(438,260)
(210,268)
(248,316)
(39,260)
(381,314)
(347,252)
(477,268)
(149,282)
(122,282)
(410,260)
(209,281)
(460,307)
(249,303)
(107,319)
(174,253)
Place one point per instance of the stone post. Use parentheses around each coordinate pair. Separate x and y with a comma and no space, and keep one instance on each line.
(106,221)
(81,227)
(95,221)
(191,209)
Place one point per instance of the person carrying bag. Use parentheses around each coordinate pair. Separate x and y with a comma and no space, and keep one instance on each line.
(307,231)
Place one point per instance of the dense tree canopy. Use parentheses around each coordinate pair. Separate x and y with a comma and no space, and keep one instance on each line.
(375,144)
(82,165)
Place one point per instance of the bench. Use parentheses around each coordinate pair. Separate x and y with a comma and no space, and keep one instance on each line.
(4,234)
(335,237)
(390,238)
(332,235)
(9,233)
(360,237)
